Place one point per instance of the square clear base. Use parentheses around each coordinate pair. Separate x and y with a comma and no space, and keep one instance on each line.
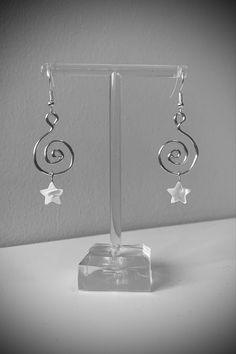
(128,270)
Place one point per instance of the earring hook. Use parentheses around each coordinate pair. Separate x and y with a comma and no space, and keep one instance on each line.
(50,77)
(180,74)
(51,86)
(182,81)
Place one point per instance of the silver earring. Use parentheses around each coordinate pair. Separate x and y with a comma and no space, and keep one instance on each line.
(52,156)
(176,160)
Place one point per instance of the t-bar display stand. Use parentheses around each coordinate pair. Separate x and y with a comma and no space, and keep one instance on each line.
(113,266)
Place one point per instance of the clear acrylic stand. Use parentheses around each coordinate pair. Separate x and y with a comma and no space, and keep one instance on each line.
(113,266)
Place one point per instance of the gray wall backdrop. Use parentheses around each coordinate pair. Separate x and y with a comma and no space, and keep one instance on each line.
(198,34)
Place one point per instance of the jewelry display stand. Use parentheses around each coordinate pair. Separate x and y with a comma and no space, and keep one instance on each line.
(113,266)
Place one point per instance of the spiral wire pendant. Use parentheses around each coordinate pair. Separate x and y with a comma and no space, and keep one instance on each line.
(57,155)
(178,156)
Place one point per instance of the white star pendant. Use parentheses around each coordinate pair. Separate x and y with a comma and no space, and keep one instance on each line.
(178,193)
(52,194)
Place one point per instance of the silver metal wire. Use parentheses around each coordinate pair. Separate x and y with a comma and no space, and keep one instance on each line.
(57,154)
(178,156)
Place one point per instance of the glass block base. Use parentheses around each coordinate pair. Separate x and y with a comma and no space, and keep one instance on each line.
(128,270)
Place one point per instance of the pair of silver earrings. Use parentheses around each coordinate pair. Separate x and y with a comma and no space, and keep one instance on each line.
(174,162)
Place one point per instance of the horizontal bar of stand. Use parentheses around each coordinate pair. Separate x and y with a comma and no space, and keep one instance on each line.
(171,71)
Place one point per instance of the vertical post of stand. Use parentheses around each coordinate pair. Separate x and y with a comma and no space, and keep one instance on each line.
(115,159)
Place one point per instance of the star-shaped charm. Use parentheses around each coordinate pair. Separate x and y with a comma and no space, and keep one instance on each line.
(52,194)
(178,193)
